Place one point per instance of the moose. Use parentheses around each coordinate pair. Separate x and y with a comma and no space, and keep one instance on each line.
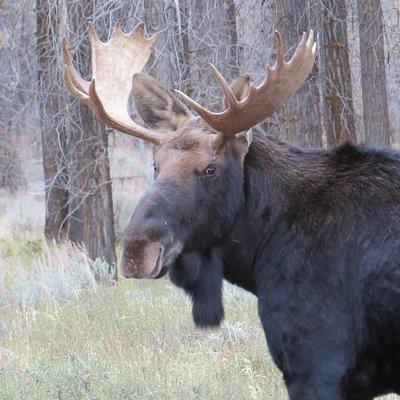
(313,233)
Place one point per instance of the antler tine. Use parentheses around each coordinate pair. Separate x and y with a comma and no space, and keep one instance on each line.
(280,56)
(118,29)
(203,112)
(310,38)
(73,78)
(113,65)
(207,115)
(71,87)
(230,96)
(119,124)
(301,46)
(281,81)
(93,34)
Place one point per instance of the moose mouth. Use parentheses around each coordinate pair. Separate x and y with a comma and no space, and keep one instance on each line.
(157,271)
(159,268)
(166,260)
(162,272)
(151,261)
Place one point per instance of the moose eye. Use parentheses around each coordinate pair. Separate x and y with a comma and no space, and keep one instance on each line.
(210,170)
(155,167)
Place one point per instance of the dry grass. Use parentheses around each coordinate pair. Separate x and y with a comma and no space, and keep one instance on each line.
(134,342)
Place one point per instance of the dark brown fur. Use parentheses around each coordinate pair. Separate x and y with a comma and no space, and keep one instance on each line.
(314,234)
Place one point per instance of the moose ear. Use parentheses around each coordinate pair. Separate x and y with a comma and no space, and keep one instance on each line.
(157,106)
(241,87)
(244,140)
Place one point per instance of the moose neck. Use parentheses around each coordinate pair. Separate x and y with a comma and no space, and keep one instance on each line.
(277,180)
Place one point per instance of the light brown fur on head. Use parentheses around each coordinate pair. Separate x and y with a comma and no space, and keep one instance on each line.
(190,150)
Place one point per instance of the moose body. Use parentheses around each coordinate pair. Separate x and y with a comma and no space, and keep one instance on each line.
(317,240)
(314,234)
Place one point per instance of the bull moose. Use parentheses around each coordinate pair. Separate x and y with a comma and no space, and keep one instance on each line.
(313,233)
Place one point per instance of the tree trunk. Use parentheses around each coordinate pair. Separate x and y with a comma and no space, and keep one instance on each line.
(95,191)
(90,183)
(18,77)
(373,74)
(50,107)
(170,62)
(229,34)
(11,173)
(300,115)
(213,38)
(182,32)
(335,71)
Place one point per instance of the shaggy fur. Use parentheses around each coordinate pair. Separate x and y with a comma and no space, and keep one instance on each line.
(201,277)
(314,234)
(318,241)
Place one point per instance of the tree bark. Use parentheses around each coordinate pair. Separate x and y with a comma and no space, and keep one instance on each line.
(336,86)
(229,34)
(172,52)
(90,184)
(18,77)
(373,73)
(95,191)
(213,38)
(300,116)
(50,107)
(182,30)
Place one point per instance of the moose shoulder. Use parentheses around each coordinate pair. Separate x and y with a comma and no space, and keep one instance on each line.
(314,234)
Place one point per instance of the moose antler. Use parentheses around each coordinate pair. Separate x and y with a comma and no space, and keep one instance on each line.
(281,81)
(113,65)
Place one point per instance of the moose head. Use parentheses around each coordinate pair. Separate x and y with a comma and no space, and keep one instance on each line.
(199,162)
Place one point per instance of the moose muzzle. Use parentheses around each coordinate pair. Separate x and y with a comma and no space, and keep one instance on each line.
(142,260)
